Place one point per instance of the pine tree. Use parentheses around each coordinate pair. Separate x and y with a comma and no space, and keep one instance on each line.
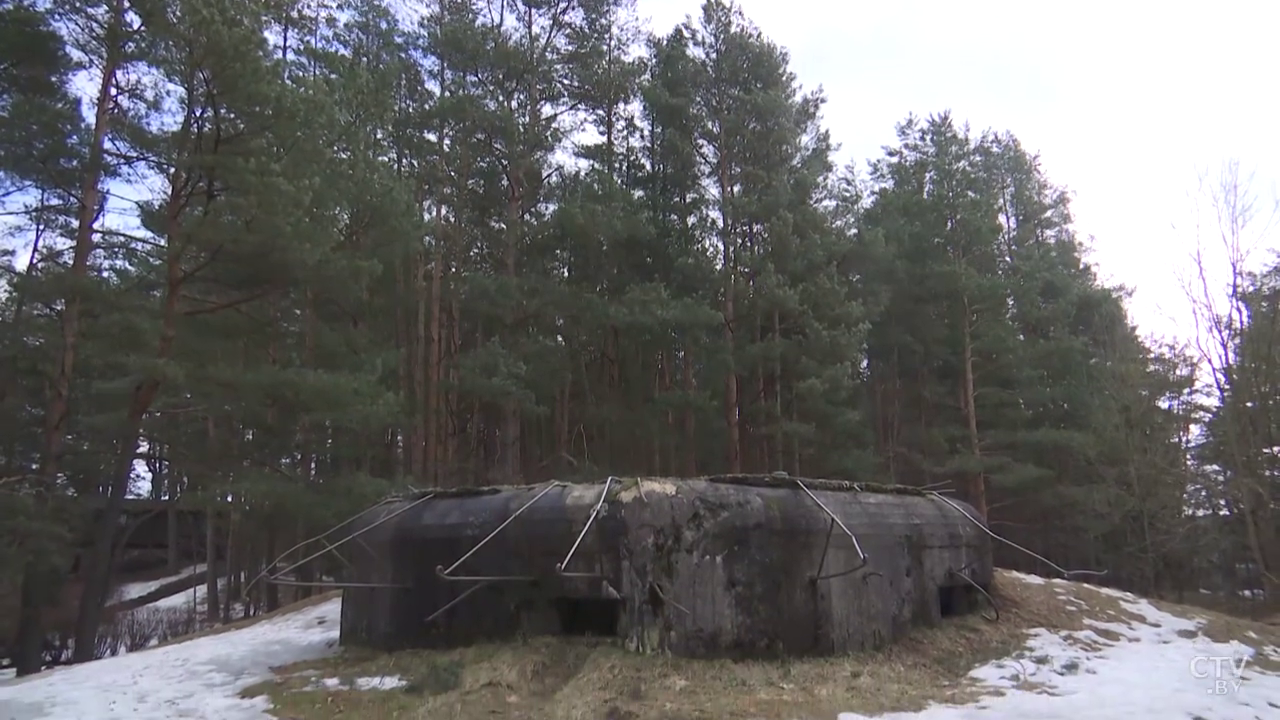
(507,242)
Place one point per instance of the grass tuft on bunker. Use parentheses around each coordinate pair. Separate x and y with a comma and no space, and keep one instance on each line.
(571,678)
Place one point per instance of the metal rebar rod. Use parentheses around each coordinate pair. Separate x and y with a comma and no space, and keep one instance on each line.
(334,585)
(827,510)
(981,526)
(862,557)
(321,536)
(822,562)
(455,601)
(861,564)
(355,534)
(560,566)
(990,600)
(487,578)
(338,555)
(442,572)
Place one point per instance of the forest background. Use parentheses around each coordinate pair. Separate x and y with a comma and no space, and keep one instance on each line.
(281,258)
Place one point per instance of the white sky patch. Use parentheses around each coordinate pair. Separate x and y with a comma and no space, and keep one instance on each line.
(199,679)
(1125,102)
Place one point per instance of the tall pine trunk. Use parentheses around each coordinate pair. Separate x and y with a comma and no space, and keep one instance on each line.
(509,447)
(977,490)
(689,384)
(669,429)
(418,442)
(97,569)
(211,563)
(41,570)
(451,396)
(757,436)
(402,439)
(433,355)
(731,407)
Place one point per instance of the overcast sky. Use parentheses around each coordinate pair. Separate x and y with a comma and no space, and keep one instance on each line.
(1124,101)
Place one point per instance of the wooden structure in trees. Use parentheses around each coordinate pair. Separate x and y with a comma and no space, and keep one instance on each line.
(160,526)
(728,566)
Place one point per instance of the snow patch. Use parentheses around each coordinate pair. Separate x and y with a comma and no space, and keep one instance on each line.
(1070,600)
(1026,578)
(1147,674)
(191,599)
(196,598)
(198,679)
(129,591)
(383,682)
(1113,670)
(1112,592)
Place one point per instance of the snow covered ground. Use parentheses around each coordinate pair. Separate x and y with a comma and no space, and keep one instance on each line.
(380,682)
(1162,670)
(191,601)
(193,598)
(199,679)
(1159,667)
(129,591)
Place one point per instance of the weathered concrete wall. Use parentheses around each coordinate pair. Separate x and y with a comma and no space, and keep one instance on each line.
(518,564)
(712,569)
(369,614)
(700,568)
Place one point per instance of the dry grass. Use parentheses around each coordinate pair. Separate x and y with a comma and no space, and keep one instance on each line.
(572,679)
(1227,603)
(577,679)
(1222,627)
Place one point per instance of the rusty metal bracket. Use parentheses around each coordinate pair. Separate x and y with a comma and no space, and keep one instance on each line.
(444,574)
(560,566)
(862,557)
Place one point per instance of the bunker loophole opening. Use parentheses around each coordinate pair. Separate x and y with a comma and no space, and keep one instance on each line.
(588,616)
(955,600)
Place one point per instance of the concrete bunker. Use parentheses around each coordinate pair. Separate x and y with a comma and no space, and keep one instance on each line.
(728,566)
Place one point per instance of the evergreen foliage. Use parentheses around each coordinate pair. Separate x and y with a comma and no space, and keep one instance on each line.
(289,255)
